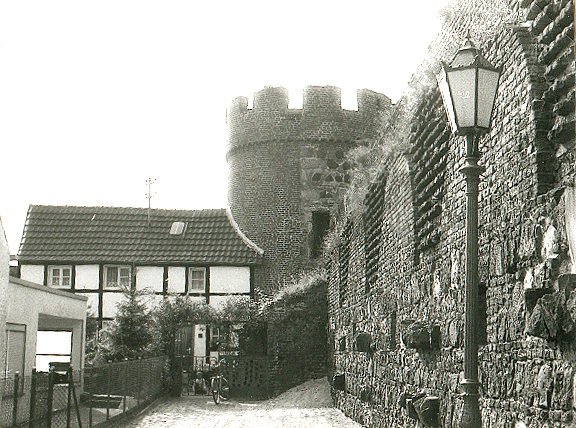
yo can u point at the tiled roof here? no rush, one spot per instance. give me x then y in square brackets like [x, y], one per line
[122, 235]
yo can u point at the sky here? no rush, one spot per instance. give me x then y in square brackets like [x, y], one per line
[98, 96]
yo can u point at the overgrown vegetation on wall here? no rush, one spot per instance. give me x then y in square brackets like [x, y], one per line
[297, 331]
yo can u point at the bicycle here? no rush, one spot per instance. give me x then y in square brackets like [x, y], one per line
[219, 385]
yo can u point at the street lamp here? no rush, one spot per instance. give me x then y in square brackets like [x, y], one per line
[468, 87]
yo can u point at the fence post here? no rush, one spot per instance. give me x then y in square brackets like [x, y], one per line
[32, 399]
[50, 398]
[139, 379]
[15, 399]
[69, 376]
[125, 383]
[76, 406]
[90, 396]
[109, 371]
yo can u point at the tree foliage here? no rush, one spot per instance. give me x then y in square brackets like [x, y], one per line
[130, 335]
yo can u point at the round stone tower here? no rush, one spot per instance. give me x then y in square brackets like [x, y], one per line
[288, 171]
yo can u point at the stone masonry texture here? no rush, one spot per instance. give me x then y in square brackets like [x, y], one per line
[408, 297]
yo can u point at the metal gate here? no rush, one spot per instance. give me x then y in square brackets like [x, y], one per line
[248, 376]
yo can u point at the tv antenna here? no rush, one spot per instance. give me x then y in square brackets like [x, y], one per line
[150, 195]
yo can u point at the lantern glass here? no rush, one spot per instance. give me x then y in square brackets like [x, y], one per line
[447, 98]
[468, 87]
[462, 82]
[487, 87]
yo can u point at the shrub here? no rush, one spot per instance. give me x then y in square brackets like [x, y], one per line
[130, 335]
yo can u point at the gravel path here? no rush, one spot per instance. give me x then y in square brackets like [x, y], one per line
[304, 406]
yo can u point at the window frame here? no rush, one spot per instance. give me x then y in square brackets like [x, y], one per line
[190, 281]
[60, 268]
[178, 228]
[118, 283]
[211, 343]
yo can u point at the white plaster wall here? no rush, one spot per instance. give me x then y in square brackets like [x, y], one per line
[218, 301]
[201, 299]
[92, 303]
[150, 277]
[176, 279]
[32, 273]
[87, 277]
[109, 301]
[230, 279]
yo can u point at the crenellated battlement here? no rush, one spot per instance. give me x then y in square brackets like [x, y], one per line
[286, 164]
[321, 116]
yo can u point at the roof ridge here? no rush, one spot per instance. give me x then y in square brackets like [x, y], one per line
[137, 209]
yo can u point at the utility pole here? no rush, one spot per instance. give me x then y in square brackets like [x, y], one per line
[150, 195]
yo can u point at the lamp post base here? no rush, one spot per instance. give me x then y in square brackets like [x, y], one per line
[471, 417]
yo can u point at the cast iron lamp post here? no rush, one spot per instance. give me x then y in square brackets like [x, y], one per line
[468, 87]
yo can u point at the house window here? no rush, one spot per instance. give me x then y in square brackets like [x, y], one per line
[197, 280]
[59, 276]
[117, 276]
[15, 349]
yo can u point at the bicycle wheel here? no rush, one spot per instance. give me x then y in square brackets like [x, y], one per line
[224, 390]
[215, 387]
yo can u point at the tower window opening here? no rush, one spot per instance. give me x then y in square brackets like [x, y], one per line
[320, 226]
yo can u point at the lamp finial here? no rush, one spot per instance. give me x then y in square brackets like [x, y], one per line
[468, 44]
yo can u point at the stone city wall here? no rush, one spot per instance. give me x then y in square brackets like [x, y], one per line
[402, 333]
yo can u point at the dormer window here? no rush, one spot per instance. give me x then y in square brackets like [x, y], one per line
[178, 228]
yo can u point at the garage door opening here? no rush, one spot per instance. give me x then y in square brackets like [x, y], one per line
[53, 347]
